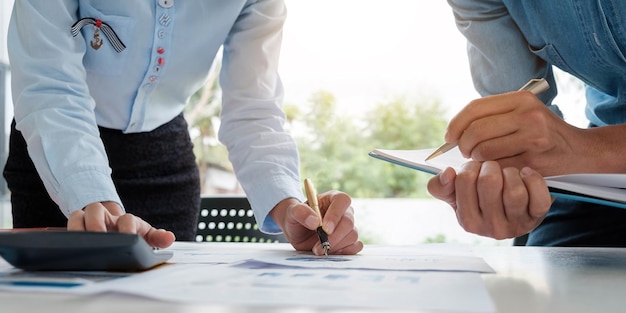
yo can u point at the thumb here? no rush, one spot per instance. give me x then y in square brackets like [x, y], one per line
[442, 186]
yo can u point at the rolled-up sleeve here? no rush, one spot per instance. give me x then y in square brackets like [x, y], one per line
[499, 55]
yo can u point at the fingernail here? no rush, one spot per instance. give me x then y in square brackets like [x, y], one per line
[444, 178]
[526, 171]
[329, 227]
[312, 222]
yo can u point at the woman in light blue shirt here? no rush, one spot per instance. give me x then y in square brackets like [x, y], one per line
[99, 87]
[517, 138]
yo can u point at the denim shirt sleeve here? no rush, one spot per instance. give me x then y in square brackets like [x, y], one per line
[263, 154]
[499, 55]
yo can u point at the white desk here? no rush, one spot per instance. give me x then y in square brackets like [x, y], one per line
[535, 279]
[527, 280]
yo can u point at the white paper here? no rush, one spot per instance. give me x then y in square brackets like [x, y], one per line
[385, 277]
[321, 288]
[371, 259]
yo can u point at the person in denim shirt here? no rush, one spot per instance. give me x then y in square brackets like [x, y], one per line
[515, 138]
[99, 141]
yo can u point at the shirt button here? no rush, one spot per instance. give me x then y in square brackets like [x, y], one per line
[161, 34]
[161, 61]
[152, 79]
[160, 50]
[166, 3]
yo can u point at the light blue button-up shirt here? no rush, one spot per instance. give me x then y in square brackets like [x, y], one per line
[511, 41]
[65, 86]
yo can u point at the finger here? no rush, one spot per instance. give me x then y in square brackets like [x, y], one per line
[484, 107]
[468, 210]
[477, 109]
[489, 188]
[489, 138]
[515, 196]
[76, 221]
[304, 215]
[345, 241]
[351, 249]
[128, 223]
[318, 249]
[160, 238]
[498, 148]
[441, 186]
[489, 127]
[340, 235]
[333, 205]
[539, 196]
[340, 246]
[514, 150]
[345, 233]
[96, 217]
[516, 199]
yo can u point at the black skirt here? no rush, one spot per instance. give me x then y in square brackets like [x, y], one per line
[155, 174]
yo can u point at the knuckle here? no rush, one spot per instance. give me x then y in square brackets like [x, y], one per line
[473, 105]
[481, 153]
[504, 231]
[490, 179]
[514, 196]
[471, 226]
[466, 177]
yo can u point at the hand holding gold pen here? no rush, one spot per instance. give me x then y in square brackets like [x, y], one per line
[311, 195]
[536, 86]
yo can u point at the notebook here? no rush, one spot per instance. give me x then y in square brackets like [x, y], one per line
[605, 189]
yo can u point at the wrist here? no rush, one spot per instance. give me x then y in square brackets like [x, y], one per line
[279, 211]
[603, 150]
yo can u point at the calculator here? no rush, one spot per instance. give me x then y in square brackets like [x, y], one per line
[61, 250]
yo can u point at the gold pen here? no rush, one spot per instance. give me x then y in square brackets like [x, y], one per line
[535, 85]
[311, 196]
